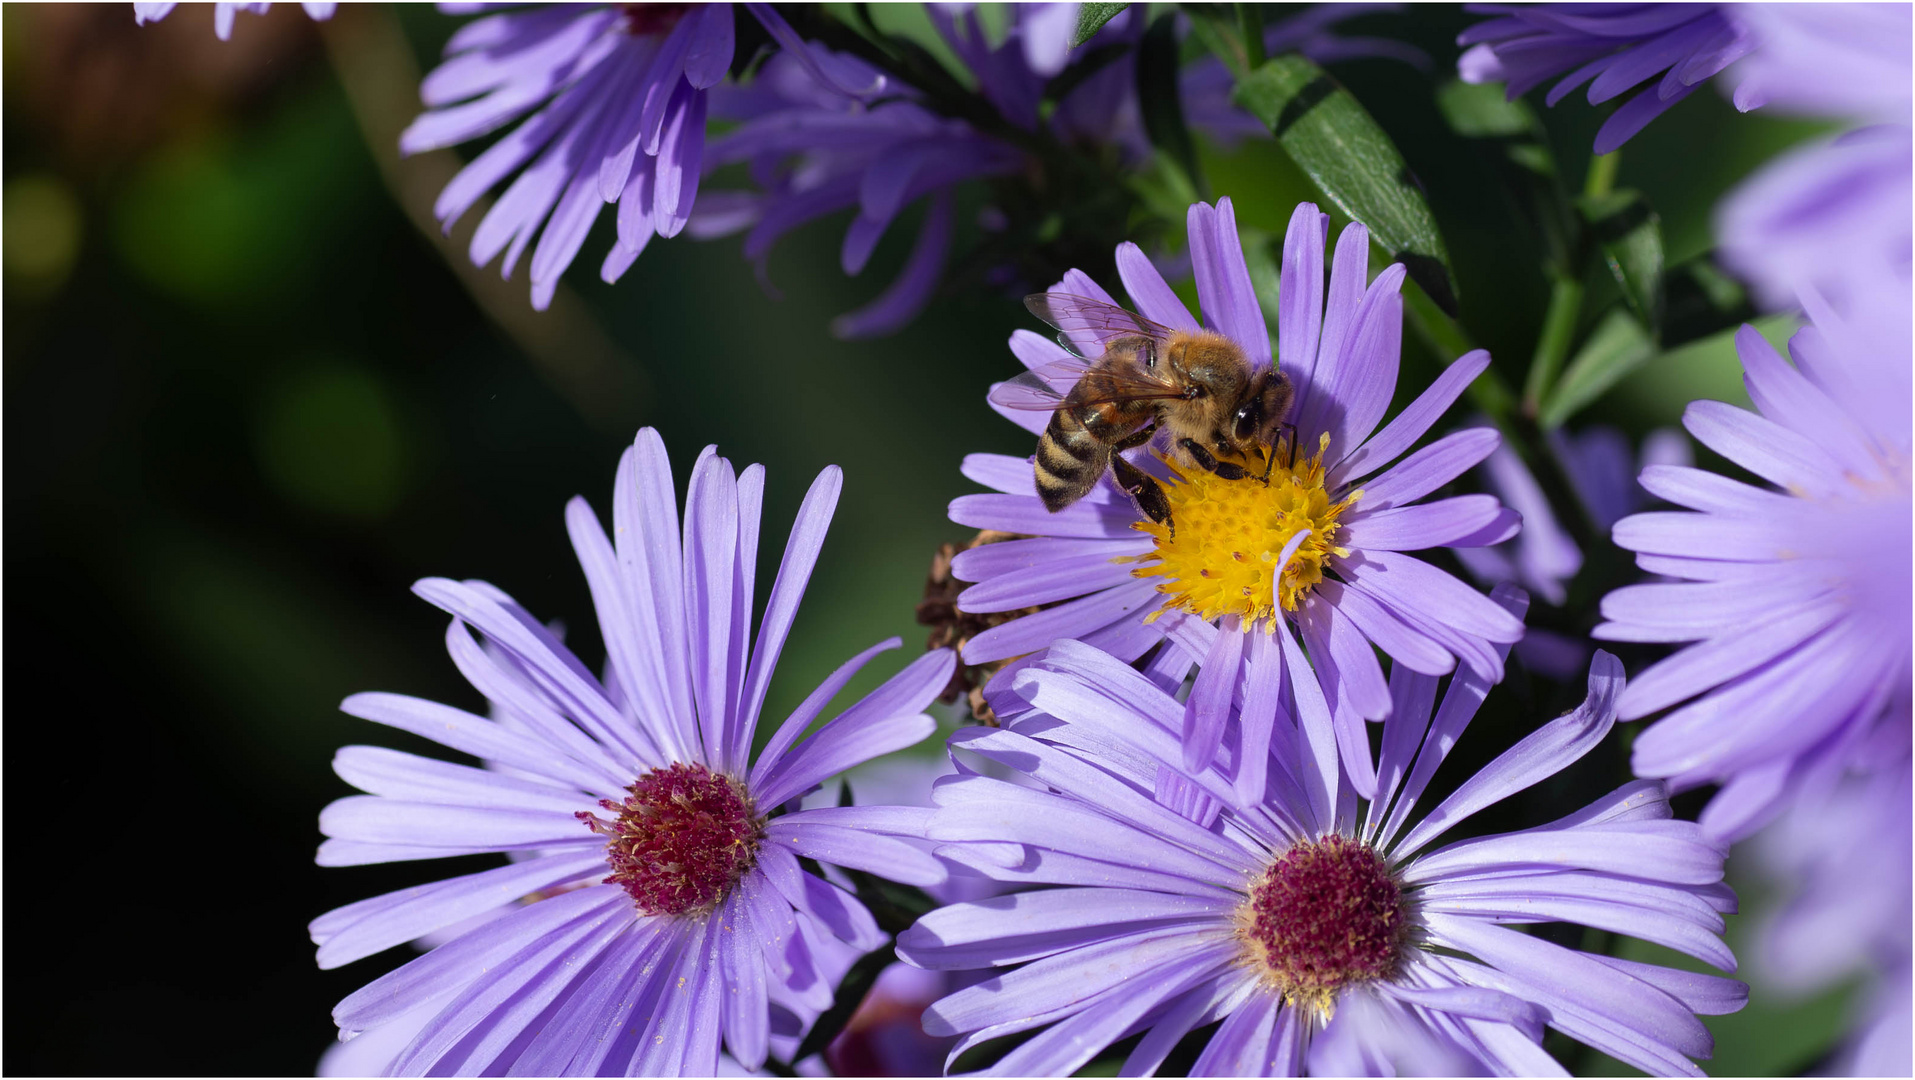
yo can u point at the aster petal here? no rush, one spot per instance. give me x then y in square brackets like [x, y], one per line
[1611, 1010]
[856, 849]
[1075, 618]
[1760, 445]
[1701, 490]
[711, 553]
[1085, 519]
[377, 770]
[1019, 927]
[645, 523]
[1221, 997]
[549, 663]
[989, 561]
[494, 1009]
[741, 967]
[1318, 408]
[681, 146]
[479, 737]
[1709, 995]
[373, 925]
[1228, 299]
[1257, 724]
[1242, 1046]
[1063, 983]
[1721, 659]
[457, 962]
[1389, 633]
[708, 54]
[1409, 583]
[889, 718]
[1316, 735]
[1540, 755]
[1010, 814]
[1060, 577]
[1410, 424]
[1708, 536]
[1683, 935]
[788, 590]
[1430, 468]
[1149, 294]
[809, 709]
[610, 999]
[1426, 525]
[1365, 372]
[1635, 115]
[1208, 707]
[1785, 396]
[1300, 297]
[1673, 847]
[684, 1021]
[505, 683]
[379, 820]
[1066, 1046]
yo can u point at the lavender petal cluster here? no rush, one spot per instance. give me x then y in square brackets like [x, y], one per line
[1614, 48]
[1329, 935]
[658, 886]
[1328, 548]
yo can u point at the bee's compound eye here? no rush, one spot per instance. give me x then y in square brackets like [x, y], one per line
[1246, 421]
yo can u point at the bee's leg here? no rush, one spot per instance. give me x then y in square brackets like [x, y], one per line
[1145, 489]
[1229, 470]
[1134, 439]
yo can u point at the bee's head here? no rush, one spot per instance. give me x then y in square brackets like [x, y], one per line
[1265, 405]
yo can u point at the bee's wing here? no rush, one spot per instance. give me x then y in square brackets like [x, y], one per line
[1041, 390]
[1080, 317]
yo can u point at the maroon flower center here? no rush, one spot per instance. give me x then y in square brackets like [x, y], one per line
[681, 839]
[1326, 914]
[642, 20]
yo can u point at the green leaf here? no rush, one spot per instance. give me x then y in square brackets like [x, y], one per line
[1617, 346]
[1091, 18]
[1158, 98]
[1630, 236]
[1353, 163]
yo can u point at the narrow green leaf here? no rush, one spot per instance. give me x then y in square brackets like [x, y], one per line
[1630, 236]
[1091, 18]
[1356, 166]
[1158, 98]
[1617, 346]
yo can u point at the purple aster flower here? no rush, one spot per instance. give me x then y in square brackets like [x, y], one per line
[1835, 214]
[1328, 936]
[616, 97]
[1796, 596]
[223, 13]
[814, 153]
[1324, 543]
[1613, 47]
[675, 916]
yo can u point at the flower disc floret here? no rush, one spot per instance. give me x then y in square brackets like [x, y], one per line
[1225, 556]
[681, 839]
[1327, 914]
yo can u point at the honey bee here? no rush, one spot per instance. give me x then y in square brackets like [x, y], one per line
[1195, 385]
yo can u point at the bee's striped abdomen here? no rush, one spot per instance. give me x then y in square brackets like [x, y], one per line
[1069, 460]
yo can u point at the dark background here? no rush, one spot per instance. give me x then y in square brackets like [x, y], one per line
[248, 403]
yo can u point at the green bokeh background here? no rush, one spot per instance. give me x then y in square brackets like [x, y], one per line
[248, 404]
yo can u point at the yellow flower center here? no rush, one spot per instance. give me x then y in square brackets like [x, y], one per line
[1230, 535]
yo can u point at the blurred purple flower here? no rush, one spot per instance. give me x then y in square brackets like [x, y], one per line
[1601, 467]
[1835, 214]
[1618, 46]
[145, 11]
[1840, 861]
[702, 933]
[814, 153]
[1327, 936]
[1797, 596]
[616, 97]
[1326, 537]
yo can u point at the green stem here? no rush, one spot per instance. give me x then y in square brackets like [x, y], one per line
[1601, 178]
[1250, 23]
[1559, 328]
